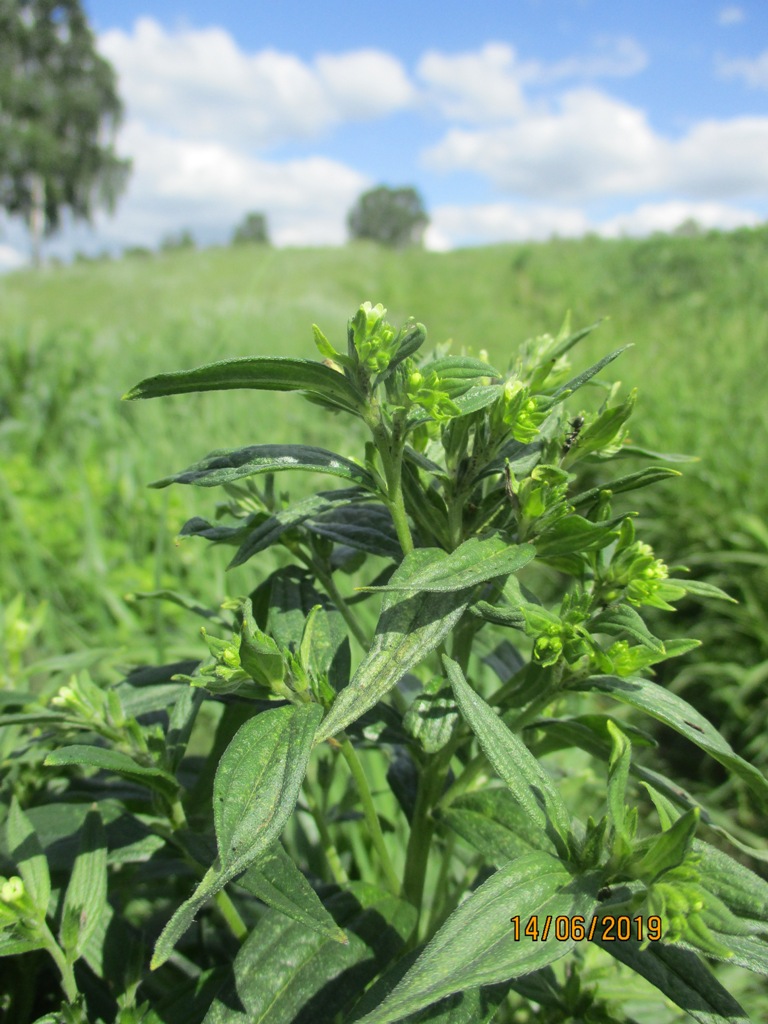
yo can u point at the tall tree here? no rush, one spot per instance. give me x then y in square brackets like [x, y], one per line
[390, 216]
[59, 110]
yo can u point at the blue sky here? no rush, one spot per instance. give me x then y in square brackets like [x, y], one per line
[515, 120]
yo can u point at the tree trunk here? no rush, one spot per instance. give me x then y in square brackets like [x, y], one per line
[37, 216]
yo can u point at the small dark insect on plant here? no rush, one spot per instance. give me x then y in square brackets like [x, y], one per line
[576, 424]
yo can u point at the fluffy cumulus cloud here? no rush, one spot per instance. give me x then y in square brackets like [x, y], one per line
[481, 86]
[489, 85]
[205, 119]
[198, 83]
[591, 145]
[208, 186]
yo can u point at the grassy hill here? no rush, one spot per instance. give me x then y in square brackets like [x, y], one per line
[82, 530]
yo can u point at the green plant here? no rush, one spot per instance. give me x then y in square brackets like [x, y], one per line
[368, 810]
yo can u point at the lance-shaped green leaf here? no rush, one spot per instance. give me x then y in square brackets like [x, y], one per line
[212, 882]
[630, 482]
[479, 945]
[223, 465]
[276, 881]
[432, 716]
[285, 973]
[580, 379]
[366, 527]
[567, 339]
[117, 762]
[86, 897]
[258, 781]
[271, 373]
[669, 849]
[625, 621]
[27, 852]
[457, 374]
[495, 824]
[478, 1006]
[475, 561]
[478, 398]
[409, 628]
[527, 780]
[698, 588]
[269, 530]
[254, 793]
[574, 535]
[679, 715]
[682, 977]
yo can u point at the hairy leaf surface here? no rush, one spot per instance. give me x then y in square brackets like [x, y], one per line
[262, 373]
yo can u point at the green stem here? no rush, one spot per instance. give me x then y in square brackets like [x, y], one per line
[66, 969]
[346, 612]
[176, 814]
[229, 912]
[422, 830]
[439, 911]
[391, 453]
[456, 519]
[465, 781]
[329, 847]
[369, 811]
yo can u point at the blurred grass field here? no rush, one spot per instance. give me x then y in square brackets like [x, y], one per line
[81, 530]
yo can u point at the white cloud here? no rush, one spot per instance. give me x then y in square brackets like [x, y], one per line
[209, 186]
[487, 223]
[364, 84]
[650, 217]
[480, 86]
[593, 146]
[487, 85]
[753, 72]
[199, 84]
[731, 16]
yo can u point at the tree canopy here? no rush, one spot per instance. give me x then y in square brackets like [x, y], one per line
[59, 110]
[252, 229]
[391, 216]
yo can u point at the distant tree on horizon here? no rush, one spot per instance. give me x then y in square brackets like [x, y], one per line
[176, 240]
[394, 217]
[252, 229]
[59, 111]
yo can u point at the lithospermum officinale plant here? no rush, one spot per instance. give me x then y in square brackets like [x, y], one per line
[395, 836]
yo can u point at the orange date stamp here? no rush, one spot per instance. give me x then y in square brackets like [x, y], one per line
[607, 928]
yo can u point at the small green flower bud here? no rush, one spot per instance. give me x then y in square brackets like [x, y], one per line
[12, 891]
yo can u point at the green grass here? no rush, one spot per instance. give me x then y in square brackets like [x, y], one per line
[82, 530]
